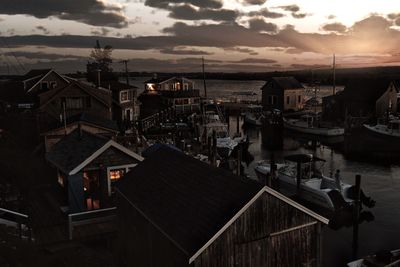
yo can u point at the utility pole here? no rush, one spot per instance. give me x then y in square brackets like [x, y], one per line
[126, 70]
[204, 79]
[334, 74]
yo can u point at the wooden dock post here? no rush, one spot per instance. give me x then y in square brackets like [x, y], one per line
[214, 148]
[272, 170]
[237, 125]
[356, 214]
[239, 159]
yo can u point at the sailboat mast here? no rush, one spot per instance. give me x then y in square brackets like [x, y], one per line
[334, 75]
[204, 79]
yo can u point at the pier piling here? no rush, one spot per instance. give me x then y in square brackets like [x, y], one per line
[356, 214]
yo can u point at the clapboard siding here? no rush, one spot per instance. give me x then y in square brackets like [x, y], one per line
[247, 242]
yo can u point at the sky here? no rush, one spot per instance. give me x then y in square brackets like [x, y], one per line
[173, 36]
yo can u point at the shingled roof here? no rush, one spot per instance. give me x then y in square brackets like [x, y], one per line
[74, 149]
[366, 90]
[287, 83]
[189, 200]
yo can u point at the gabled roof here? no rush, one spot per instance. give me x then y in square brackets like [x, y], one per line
[76, 150]
[34, 77]
[104, 96]
[189, 201]
[154, 148]
[166, 79]
[287, 83]
[185, 198]
[366, 90]
[35, 73]
[89, 119]
[117, 86]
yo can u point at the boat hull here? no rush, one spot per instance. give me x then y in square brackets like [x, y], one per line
[329, 132]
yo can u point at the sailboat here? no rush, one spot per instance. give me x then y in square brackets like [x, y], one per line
[311, 123]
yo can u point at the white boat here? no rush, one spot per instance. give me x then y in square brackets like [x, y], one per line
[212, 123]
[391, 129]
[315, 188]
[254, 115]
[380, 259]
[308, 124]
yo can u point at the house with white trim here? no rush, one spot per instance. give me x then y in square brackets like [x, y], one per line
[88, 166]
[174, 210]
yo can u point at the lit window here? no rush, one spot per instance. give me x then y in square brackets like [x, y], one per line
[116, 174]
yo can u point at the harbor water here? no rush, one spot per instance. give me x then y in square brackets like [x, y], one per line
[380, 225]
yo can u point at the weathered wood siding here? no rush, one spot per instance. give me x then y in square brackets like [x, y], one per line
[141, 244]
[97, 108]
[271, 89]
[255, 238]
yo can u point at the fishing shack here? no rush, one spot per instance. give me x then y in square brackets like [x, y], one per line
[185, 212]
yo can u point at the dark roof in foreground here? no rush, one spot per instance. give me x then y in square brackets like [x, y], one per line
[154, 148]
[287, 83]
[74, 148]
[35, 72]
[189, 200]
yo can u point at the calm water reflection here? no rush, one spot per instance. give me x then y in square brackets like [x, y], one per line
[379, 180]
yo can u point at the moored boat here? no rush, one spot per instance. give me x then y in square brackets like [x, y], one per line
[380, 259]
[309, 124]
[310, 184]
[391, 129]
[254, 115]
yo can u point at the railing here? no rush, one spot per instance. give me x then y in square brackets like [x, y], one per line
[17, 220]
[90, 217]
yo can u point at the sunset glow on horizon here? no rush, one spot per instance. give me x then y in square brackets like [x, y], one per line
[233, 35]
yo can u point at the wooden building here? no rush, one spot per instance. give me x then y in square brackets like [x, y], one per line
[125, 108]
[88, 166]
[64, 102]
[174, 210]
[177, 92]
[23, 92]
[362, 98]
[283, 93]
[86, 121]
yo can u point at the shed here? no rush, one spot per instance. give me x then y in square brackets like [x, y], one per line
[88, 165]
[174, 210]
[283, 93]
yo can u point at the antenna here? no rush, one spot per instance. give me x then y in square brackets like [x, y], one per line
[334, 74]
[126, 70]
[204, 78]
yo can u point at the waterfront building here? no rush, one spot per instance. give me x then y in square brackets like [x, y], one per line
[88, 166]
[125, 106]
[283, 93]
[185, 212]
[177, 92]
[362, 98]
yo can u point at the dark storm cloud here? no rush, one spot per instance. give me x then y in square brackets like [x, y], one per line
[41, 56]
[42, 29]
[265, 12]
[255, 2]
[242, 50]
[334, 27]
[163, 4]
[179, 51]
[195, 9]
[100, 32]
[188, 12]
[93, 12]
[259, 25]
[295, 11]
[256, 61]
[360, 38]
[290, 8]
